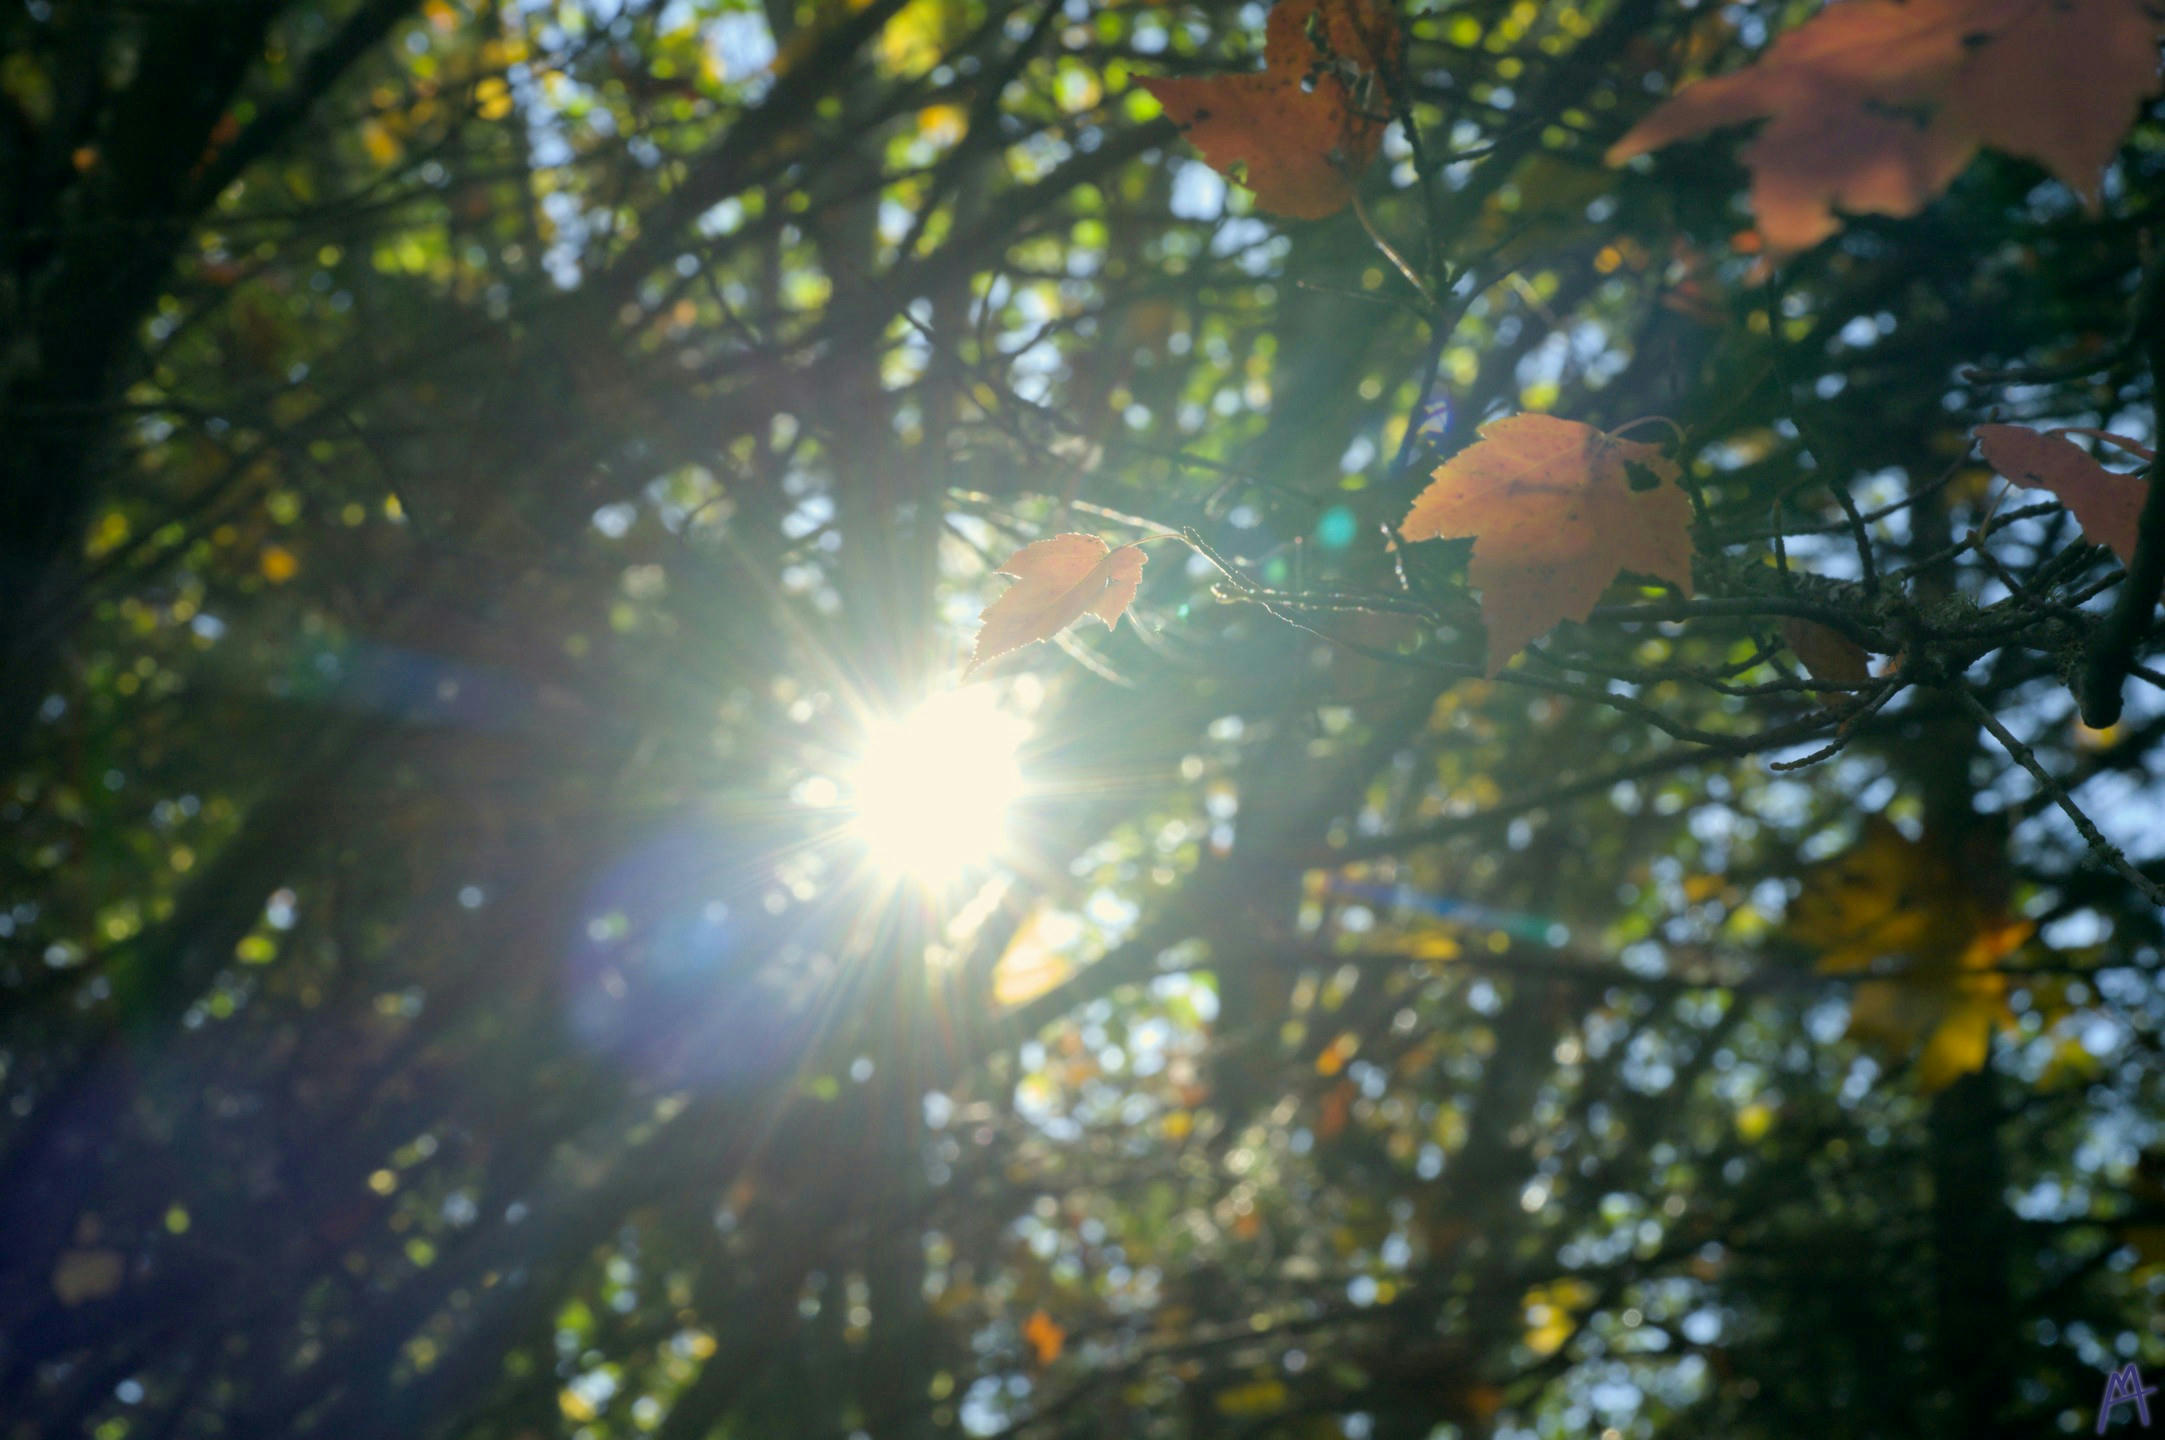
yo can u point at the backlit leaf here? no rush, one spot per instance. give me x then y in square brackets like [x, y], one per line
[1874, 106]
[1557, 517]
[1300, 132]
[1057, 582]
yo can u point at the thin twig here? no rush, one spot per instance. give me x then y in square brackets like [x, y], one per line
[1413, 277]
[2107, 852]
[1815, 444]
[1847, 731]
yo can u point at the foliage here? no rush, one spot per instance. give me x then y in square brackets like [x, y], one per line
[1875, 106]
[477, 474]
[1559, 513]
[1057, 582]
[2107, 504]
[1300, 133]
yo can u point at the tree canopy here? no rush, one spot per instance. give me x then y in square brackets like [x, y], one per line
[1557, 832]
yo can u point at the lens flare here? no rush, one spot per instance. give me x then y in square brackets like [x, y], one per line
[932, 789]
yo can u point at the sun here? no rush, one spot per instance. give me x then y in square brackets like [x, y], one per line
[932, 789]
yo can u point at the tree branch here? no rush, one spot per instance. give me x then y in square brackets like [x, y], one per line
[2112, 648]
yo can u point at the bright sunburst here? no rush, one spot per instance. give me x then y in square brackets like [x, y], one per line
[931, 789]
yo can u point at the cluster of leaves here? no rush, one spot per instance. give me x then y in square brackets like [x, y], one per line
[1676, 964]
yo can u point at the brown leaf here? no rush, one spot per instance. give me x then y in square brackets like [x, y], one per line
[1333, 1111]
[1874, 106]
[1358, 33]
[1057, 582]
[1557, 518]
[1828, 655]
[81, 1276]
[2107, 503]
[1300, 132]
[2135, 447]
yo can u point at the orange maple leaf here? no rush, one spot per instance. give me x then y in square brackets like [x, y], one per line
[1874, 106]
[1045, 1336]
[1299, 132]
[1556, 517]
[1057, 582]
[2107, 504]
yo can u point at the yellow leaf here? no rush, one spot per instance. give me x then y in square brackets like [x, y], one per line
[1037, 958]
[110, 533]
[277, 564]
[1753, 1121]
[1962, 1040]
[2087, 738]
[382, 146]
[492, 98]
[1698, 889]
[1552, 1313]
[1257, 1397]
[2071, 1063]
[919, 36]
[942, 124]
[1434, 945]
[1884, 896]
[1907, 906]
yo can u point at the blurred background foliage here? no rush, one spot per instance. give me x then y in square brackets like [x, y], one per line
[474, 472]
